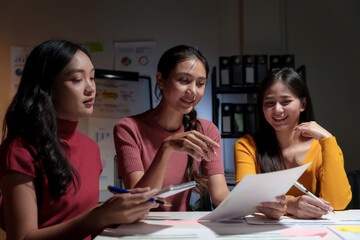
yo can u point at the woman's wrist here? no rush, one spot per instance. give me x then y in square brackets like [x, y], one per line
[291, 205]
[325, 134]
[95, 219]
[165, 148]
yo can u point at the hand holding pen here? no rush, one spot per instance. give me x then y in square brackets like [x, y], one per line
[307, 206]
[120, 190]
[304, 190]
[125, 208]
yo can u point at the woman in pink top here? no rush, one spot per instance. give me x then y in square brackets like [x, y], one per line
[49, 172]
[167, 145]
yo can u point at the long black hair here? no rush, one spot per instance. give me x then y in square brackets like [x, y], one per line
[32, 116]
[267, 147]
[168, 61]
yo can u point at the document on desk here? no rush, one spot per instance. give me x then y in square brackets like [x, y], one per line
[261, 219]
[254, 189]
[346, 232]
[349, 217]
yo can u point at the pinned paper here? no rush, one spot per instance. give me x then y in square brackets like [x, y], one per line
[298, 232]
[96, 47]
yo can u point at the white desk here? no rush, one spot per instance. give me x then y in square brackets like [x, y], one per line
[183, 225]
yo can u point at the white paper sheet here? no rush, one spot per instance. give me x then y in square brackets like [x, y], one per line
[101, 131]
[18, 56]
[260, 219]
[349, 217]
[352, 215]
[253, 190]
[138, 56]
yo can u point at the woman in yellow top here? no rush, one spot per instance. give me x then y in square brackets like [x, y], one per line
[287, 136]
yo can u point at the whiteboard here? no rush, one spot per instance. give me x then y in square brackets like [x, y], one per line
[118, 99]
[121, 94]
[118, 95]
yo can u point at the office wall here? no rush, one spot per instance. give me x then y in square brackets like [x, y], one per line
[168, 23]
[323, 35]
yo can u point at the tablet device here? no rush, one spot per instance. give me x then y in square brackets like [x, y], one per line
[174, 189]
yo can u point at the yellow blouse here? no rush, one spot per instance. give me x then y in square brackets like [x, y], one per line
[325, 177]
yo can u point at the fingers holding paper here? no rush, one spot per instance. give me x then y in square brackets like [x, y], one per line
[307, 207]
[274, 210]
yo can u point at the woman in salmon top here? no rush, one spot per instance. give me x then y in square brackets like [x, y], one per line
[167, 145]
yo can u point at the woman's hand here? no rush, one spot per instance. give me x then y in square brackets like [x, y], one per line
[311, 130]
[274, 210]
[193, 143]
[305, 206]
[126, 208]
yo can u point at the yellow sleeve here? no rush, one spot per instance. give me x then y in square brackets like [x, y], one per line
[334, 185]
[245, 158]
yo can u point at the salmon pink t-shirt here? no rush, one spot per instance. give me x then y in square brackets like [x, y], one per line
[137, 140]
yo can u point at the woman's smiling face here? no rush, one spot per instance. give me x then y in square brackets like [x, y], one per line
[281, 107]
[185, 86]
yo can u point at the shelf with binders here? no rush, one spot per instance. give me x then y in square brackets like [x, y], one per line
[233, 108]
[236, 89]
[237, 119]
[235, 135]
[236, 98]
[234, 94]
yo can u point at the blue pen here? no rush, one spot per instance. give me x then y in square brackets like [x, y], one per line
[120, 190]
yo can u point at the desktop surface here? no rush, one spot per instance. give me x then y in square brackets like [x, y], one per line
[185, 225]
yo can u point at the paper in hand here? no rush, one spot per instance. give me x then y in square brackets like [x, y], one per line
[254, 189]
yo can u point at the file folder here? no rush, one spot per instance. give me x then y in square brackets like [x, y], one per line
[250, 120]
[226, 118]
[236, 70]
[261, 68]
[249, 62]
[288, 61]
[224, 66]
[238, 118]
[276, 62]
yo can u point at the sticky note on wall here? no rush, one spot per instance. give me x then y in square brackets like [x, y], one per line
[96, 47]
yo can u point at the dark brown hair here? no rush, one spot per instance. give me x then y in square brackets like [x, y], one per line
[267, 147]
[32, 116]
[168, 61]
